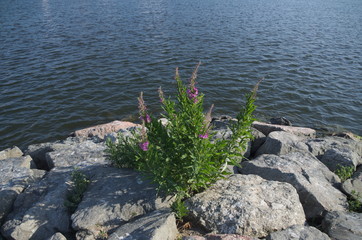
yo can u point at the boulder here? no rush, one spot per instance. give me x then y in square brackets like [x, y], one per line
[114, 196]
[312, 179]
[343, 225]
[257, 142]
[267, 128]
[70, 152]
[7, 198]
[15, 175]
[354, 183]
[79, 155]
[298, 232]
[102, 130]
[39, 211]
[212, 236]
[57, 236]
[157, 225]
[13, 152]
[280, 143]
[280, 121]
[247, 205]
[319, 146]
[336, 158]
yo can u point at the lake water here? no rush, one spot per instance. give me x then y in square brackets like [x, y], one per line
[69, 64]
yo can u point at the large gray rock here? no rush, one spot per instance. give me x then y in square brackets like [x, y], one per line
[114, 196]
[343, 225]
[280, 143]
[15, 175]
[308, 175]
[340, 157]
[319, 146]
[298, 232]
[57, 236]
[158, 225]
[39, 211]
[247, 205]
[71, 152]
[13, 152]
[257, 142]
[354, 184]
[267, 128]
[82, 154]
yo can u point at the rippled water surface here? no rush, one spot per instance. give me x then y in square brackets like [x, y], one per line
[66, 65]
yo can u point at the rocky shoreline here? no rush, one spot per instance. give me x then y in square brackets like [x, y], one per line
[287, 190]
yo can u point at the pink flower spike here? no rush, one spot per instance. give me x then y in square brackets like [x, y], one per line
[147, 118]
[204, 136]
[144, 146]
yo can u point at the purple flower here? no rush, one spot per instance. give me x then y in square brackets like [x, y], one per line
[193, 93]
[204, 136]
[144, 145]
[146, 118]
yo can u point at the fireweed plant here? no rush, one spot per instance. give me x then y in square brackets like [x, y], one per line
[180, 155]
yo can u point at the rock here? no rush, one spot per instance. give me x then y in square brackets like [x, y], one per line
[57, 236]
[114, 196]
[257, 142]
[307, 174]
[319, 146]
[219, 237]
[102, 130]
[13, 152]
[343, 225]
[247, 205]
[78, 155]
[267, 128]
[7, 198]
[342, 157]
[354, 183]
[39, 211]
[280, 121]
[347, 135]
[71, 152]
[158, 225]
[298, 232]
[38, 151]
[15, 175]
[280, 143]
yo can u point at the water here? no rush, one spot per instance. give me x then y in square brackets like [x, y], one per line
[65, 65]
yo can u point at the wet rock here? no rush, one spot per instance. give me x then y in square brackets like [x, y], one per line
[267, 128]
[343, 225]
[280, 142]
[39, 211]
[13, 152]
[247, 205]
[280, 121]
[298, 232]
[219, 237]
[102, 130]
[114, 196]
[354, 184]
[312, 179]
[158, 225]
